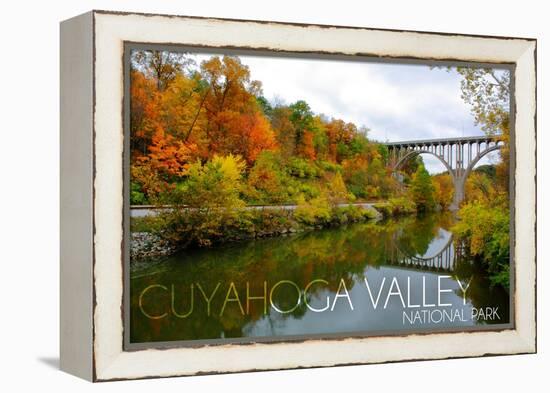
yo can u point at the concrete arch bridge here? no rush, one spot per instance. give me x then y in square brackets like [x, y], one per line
[459, 155]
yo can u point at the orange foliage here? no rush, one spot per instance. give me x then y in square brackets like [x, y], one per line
[144, 111]
[338, 131]
[306, 149]
[256, 136]
[444, 189]
[196, 117]
[168, 155]
[149, 180]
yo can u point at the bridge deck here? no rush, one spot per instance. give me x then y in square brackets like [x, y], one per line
[463, 139]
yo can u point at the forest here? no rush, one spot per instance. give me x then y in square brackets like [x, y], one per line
[188, 122]
[205, 140]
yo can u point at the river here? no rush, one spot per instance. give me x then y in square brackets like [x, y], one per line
[385, 277]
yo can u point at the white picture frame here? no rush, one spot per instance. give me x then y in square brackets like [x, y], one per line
[92, 222]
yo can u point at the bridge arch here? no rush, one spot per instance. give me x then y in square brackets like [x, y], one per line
[474, 162]
[443, 259]
[414, 153]
[460, 182]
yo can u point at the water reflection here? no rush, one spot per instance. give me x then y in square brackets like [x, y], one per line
[385, 276]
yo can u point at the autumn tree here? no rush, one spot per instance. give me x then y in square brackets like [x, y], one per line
[183, 116]
[301, 117]
[255, 136]
[336, 189]
[356, 176]
[169, 156]
[162, 66]
[182, 112]
[212, 190]
[487, 91]
[422, 189]
[376, 176]
[484, 217]
[215, 184]
[480, 187]
[268, 181]
[443, 190]
[144, 104]
[340, 137]
[285, 131]
[236, 123]
[165, 124]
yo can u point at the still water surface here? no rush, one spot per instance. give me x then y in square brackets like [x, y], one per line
[373, 278]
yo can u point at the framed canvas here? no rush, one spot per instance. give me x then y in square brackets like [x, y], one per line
[247, 195]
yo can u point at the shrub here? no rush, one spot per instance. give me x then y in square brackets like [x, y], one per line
[402, 205]
[485, 229]
[215, 184]
[143, 224]
[396, 206]
[136, 196]
[313, 212]
[348, 214]
[184, 227]
[328, 166]
[147, 181]
[272, 222]
[308, 191]
[302, 168]
[206, 205]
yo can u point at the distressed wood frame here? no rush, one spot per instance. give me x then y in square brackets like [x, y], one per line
[92, 140]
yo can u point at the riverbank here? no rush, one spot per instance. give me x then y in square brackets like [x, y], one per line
[170, 230]
[152, 210]
[377, 251]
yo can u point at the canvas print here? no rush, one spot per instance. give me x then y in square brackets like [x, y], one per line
[274, 197]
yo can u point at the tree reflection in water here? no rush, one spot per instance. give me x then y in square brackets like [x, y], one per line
[347, 253]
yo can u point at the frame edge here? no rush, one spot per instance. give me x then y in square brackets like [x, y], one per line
[525, 339]
[76, 196]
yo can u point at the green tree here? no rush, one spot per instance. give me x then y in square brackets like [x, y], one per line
[422, 189]
[265, 105]
[301, 117]
[304, 125]
[410, 166]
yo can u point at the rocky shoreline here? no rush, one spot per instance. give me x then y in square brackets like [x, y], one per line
[147, 245]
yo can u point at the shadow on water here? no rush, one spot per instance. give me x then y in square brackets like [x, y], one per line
[312, 283]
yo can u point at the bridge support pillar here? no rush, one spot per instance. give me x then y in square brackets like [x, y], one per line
[459, 184]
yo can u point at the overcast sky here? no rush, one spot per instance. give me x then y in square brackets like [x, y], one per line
[397, 102]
